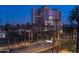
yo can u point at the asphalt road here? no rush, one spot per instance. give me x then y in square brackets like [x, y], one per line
[34, 48]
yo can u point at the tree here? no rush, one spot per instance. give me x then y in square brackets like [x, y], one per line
[29, 27]
[7, 28]
[74, 16]
[18, 26]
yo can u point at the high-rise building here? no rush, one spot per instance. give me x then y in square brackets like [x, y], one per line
[44, 19]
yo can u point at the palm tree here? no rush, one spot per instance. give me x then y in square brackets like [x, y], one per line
[17, 36]
[29, 27]
[8, 29]
[74, 16]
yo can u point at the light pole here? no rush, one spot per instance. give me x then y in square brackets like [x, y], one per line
[30, 36]
[57, 34]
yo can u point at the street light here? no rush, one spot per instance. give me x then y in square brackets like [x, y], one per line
[30, 36]
[61, 31]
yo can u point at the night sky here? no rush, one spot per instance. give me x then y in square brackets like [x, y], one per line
[21, 14]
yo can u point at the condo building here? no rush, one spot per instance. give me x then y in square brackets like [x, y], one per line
[45, 19]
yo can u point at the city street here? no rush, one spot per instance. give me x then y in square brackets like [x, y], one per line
[35, 48]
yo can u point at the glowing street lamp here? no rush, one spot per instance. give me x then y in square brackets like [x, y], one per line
[61, 31]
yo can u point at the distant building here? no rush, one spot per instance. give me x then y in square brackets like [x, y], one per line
[44, 19]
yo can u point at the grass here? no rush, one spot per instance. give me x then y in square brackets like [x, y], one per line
[67, 45]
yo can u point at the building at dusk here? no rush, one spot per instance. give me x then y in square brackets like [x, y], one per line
[44, 19]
